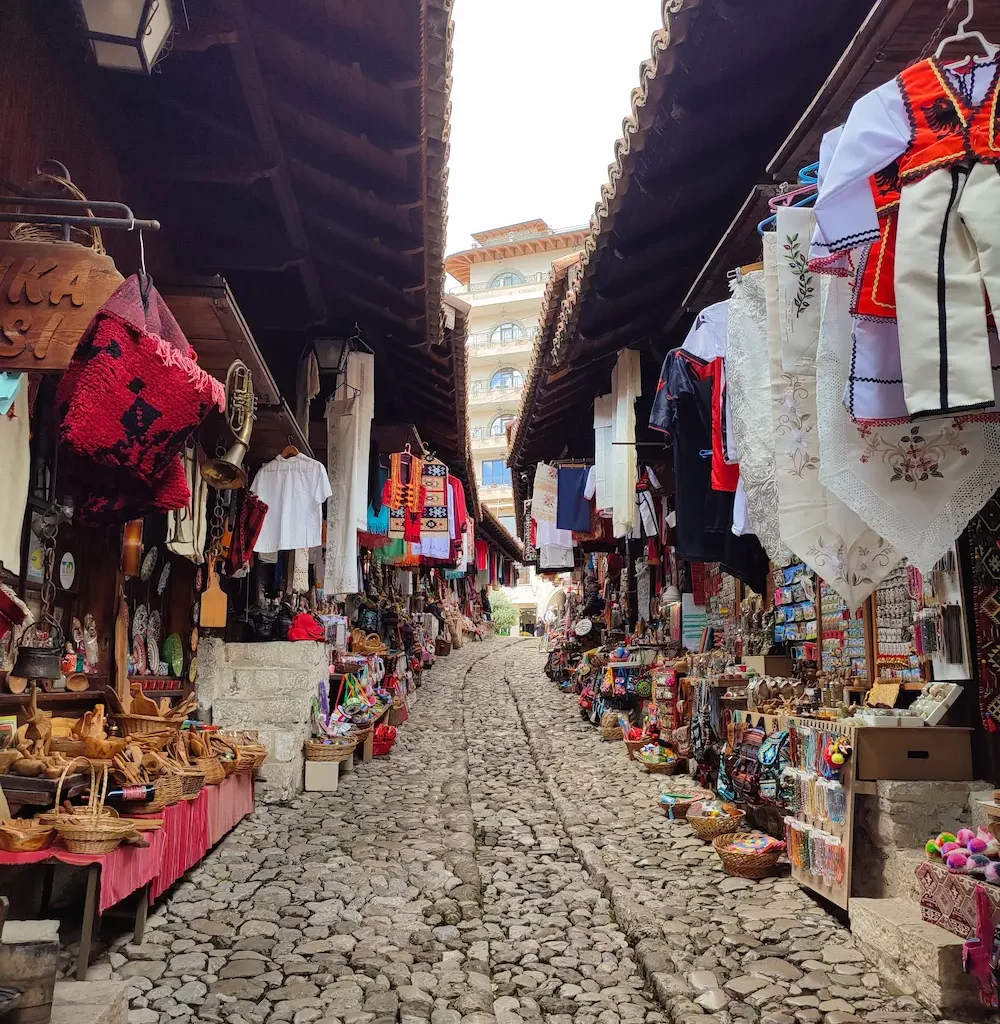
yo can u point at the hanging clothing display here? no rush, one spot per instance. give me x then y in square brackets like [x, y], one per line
[626, 387]
[937, 125]
[919, 483]
[294, 490]
[985, 555]
[341, 576]
[359, 374]
[573, 508]
[249, 522]
[798, 294]
[545, 493]
[15, 472]
[187, 527]
[306, 387]
[822, 531]
[435, 532]
[750, 390]
[603, 425]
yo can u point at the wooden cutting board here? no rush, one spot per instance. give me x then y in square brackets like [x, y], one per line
[214, 602]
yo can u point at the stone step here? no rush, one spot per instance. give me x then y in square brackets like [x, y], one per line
[279, 654]
[913, 957]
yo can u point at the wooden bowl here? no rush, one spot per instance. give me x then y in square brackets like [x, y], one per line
[77, 682]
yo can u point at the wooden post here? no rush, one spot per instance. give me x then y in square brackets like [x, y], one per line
[89, 915]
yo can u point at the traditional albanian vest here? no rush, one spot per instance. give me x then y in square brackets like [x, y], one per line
[945, 129]
[875, 290]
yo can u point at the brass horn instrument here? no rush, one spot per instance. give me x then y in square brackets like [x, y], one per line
[227, 473]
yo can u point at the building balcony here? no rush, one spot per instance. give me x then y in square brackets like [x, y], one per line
[480, 393]
[496, 494]
[483, 439]
[479, 292]
[484, 343]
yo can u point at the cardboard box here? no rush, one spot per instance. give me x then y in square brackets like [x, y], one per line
[322, 776]
[913, 755]
[769, 664]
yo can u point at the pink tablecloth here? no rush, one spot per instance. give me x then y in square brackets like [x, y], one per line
[190, 829]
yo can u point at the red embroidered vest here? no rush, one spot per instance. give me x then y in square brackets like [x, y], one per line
[875, 290]
[944, 128]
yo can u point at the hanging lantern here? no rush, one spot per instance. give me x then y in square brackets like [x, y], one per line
[127, 35]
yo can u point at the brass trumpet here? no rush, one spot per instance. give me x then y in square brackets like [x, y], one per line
[227, 473]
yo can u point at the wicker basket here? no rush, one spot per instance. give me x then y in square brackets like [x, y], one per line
[139, 725]
[211, 768]
[675, 767]
[192, 781]
[743, 864]
[611, 727]
[338, 748]
[633, 747]
[708, 828]
[681, 803]
[250, 757]
[94, 830]
[25, 836]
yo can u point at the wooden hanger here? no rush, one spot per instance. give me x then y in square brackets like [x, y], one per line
[289, 451]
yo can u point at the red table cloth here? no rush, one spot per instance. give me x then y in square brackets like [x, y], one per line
[190, 829]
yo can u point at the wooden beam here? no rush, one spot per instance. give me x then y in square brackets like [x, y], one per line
[172, 165]
[392, 248]
[370, 58]
[255, 92]
[203, 34]
[882, 21]
[375, 286]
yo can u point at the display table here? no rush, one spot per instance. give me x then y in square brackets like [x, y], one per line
[190, 829]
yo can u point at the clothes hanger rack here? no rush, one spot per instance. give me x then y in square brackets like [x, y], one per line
[962, 33]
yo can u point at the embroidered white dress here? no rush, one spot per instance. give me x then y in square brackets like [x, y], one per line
[822, 531]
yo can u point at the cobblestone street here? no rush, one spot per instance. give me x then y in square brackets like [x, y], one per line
[502, 863]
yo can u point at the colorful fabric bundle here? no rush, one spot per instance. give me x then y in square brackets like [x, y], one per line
[129, 401]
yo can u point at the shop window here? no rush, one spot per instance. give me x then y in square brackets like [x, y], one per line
[498, 428]
[507, 378]
[496, 473]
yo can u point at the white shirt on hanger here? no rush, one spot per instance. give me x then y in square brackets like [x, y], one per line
[294, 490]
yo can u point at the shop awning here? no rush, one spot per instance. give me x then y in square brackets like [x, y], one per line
[299, 149]
[722, 88]
[212, 322]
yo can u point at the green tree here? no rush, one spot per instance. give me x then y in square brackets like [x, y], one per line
[505, 614]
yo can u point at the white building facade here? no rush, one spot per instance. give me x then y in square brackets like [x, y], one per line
[503, 278]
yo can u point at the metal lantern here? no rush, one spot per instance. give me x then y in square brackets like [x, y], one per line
[127, 35]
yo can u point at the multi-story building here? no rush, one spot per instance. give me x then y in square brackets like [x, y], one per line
[503, 277]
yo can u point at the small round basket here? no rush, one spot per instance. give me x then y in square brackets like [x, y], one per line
[337, 748]
[211, 768]
[634, 746]
[744, 863]
[675, 767]
[708, 828]
[94, 829]
[676, 805]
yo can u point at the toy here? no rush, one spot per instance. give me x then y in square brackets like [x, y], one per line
[838, 753]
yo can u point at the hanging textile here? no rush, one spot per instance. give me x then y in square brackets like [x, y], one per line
[360, 374]
[983, 533]
[341, 531]
[306, 387]
[545, 493]
[405, 497]
[187, 527]
[750, 390]
[626, 387]
[435, 533]
[603, 422]
[918, 484]
[798, 292]
[573, 508]
[814, 524]
[15, 470]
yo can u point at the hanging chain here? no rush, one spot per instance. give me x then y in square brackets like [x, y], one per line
[939, 31]
[218, 522]
[48, 528]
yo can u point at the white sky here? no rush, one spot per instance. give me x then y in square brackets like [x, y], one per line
[539, 93]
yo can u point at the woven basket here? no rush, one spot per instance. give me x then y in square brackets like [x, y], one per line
[25, 836]
[192, 781]
[662, 767]
[633, 747]
[94, 830]
[211, 768]
[250, 757]
[682, 803]
[55, 186]
[743, 864]
[708, 828]
[138, 725]
[338, 748]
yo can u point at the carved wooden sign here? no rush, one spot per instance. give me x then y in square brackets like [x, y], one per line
[49, 292]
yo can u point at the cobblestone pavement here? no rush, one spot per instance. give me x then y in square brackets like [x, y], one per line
[503, 865]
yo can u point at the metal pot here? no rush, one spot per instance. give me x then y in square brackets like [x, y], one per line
[40, 662]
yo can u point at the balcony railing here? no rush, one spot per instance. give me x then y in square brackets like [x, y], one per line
[483, 438]
[495, 491]
[486, 286]
[480, 391]
[488, 341]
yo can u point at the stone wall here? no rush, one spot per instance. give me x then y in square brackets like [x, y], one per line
[268, 687]
[891, 828]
